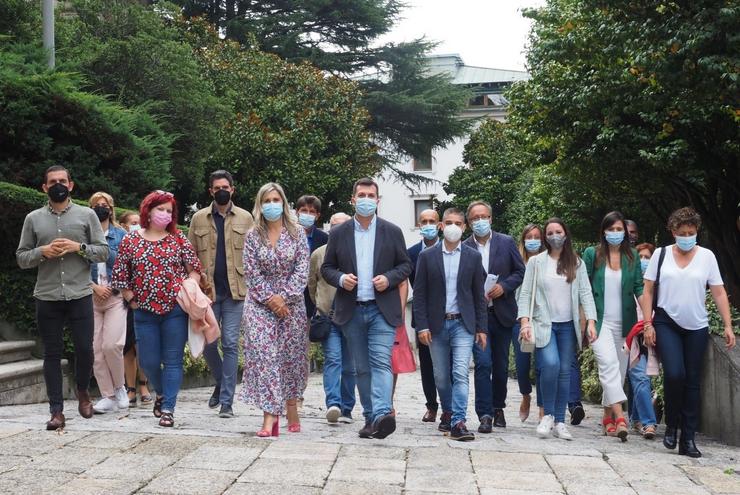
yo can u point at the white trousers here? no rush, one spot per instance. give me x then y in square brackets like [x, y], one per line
[609, 359]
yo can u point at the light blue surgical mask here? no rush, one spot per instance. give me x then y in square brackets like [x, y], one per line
[686, 243]
[134, 228]
[272, 211]
[306, 219]
[429, 232]
[482, 227]
[365, 207]
[532, 245]
[614, 238]
[644, 264]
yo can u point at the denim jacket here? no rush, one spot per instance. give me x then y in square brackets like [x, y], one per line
[113, 237]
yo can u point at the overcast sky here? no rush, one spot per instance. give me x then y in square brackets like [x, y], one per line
[486, 33]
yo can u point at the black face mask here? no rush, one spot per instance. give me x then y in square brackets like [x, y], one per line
[58, 193]
[102, 212]
[222, 197]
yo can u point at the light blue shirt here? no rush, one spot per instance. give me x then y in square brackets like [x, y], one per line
[451, 261]
[365, 252]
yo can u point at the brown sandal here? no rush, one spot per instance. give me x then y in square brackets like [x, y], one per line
[622, 430]
[167, 420]
[157, 411]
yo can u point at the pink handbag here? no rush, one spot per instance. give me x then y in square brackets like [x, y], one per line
[402, 358]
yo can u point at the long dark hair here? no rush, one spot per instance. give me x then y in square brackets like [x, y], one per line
[569, 261]
[529, 228]
[602, 251]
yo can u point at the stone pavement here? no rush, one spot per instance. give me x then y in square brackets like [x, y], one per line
[203, 454]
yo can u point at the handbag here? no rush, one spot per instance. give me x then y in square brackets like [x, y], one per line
[319, 327]
[528, 345]
[402, 358]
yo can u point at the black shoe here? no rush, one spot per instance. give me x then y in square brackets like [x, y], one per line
[460, 433]
[669, 437]
[384, 426]
[226, 412]
[576, 413]
[367, 430]
[445, 422]
[214, 401]
[688, 447]
[499, 421]
[485, 424]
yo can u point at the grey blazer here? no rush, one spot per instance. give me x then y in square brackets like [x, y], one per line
[430, 294]
[390, 259]
[580, 294]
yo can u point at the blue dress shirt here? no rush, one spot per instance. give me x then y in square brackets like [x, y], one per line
[451, 261]
[365, 251]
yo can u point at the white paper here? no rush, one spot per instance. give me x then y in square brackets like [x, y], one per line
[491, 280]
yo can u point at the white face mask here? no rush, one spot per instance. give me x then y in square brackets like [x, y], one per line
[452, 233]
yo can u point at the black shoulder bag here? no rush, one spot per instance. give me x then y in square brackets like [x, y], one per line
[656, 284]
[320, 325]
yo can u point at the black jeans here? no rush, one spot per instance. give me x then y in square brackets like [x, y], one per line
[682, 354]
[427, 376]
[50, 319]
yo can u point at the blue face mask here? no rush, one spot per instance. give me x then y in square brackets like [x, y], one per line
[272, 211]
[644, 264]
[429, 232]
[482, 227]
[686, 243]
[306, 219]
[365, 207]
[614, 238]
[532, 245]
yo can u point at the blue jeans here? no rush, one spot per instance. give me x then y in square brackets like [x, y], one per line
[492, 368]
[370, 340]
[555, 361]
[339, 372]
[642, 394]
[453, 340]
[682, 354]
[523, 361]
[228, 313]
[575, 381]
[160, 343]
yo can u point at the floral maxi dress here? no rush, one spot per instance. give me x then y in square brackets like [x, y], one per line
[275, 349]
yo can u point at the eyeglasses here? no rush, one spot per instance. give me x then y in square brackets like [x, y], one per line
[165, 193]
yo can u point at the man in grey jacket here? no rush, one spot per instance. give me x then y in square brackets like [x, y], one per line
[62, 239]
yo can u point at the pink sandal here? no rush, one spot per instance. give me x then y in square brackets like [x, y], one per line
[294, 428]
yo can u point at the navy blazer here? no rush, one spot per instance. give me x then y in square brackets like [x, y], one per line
[430, 291]
[390, 259]
[320, 238]
[505, 261]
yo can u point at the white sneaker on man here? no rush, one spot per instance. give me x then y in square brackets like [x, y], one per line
[346, 419]
[122, 398]
[545, 426]
[105, 405]
[561, 431]
[333, 414]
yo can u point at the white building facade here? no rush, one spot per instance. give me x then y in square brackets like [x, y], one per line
[401, 205]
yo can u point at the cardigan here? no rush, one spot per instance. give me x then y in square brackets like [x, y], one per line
[631, 287]
[580, 293]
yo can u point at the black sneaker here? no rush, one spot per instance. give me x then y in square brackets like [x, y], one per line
[499, 421]
[444, 422]
[460, 433]
[576, 413]
[367, 430]
[214, 401]
[486, 425]
[226, 412]
[384, 426]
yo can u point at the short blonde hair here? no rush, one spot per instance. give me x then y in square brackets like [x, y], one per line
[108, 199]
[260, 224]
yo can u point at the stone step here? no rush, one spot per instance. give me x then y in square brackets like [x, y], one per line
[16, 350]
[22, 382]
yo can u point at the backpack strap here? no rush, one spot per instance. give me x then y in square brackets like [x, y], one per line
[656, 284]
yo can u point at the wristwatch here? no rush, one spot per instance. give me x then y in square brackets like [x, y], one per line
[83, 249]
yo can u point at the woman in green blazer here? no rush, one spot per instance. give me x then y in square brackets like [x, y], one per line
[616, 281]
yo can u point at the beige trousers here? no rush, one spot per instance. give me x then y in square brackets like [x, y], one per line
[108, 341]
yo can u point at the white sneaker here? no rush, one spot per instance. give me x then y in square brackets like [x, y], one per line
[332, 414]
[122, 398]
[545, 426]
[346, 419]
[105, 405]
[561, 431]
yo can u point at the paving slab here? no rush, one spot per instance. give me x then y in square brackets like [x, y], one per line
[219, 458]
[69, 458]
[301, 472]
[260, 488]
[26, 481]
[440, 481]
[130, 466]
[98, 486]
[175, 481]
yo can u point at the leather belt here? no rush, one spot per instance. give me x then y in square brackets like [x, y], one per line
[366, 303]
[452, 316]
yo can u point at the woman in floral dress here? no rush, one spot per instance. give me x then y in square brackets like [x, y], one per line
[274, 324]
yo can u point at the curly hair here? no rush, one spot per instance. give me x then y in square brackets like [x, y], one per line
[684, 216]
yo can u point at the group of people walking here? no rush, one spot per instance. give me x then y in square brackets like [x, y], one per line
[264, 275]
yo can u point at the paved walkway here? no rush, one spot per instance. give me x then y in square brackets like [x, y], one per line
[129, 453]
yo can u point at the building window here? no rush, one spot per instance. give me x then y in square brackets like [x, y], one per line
[421, 205]
[423, 163]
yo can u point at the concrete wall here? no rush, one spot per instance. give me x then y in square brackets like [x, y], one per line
[720, 393]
